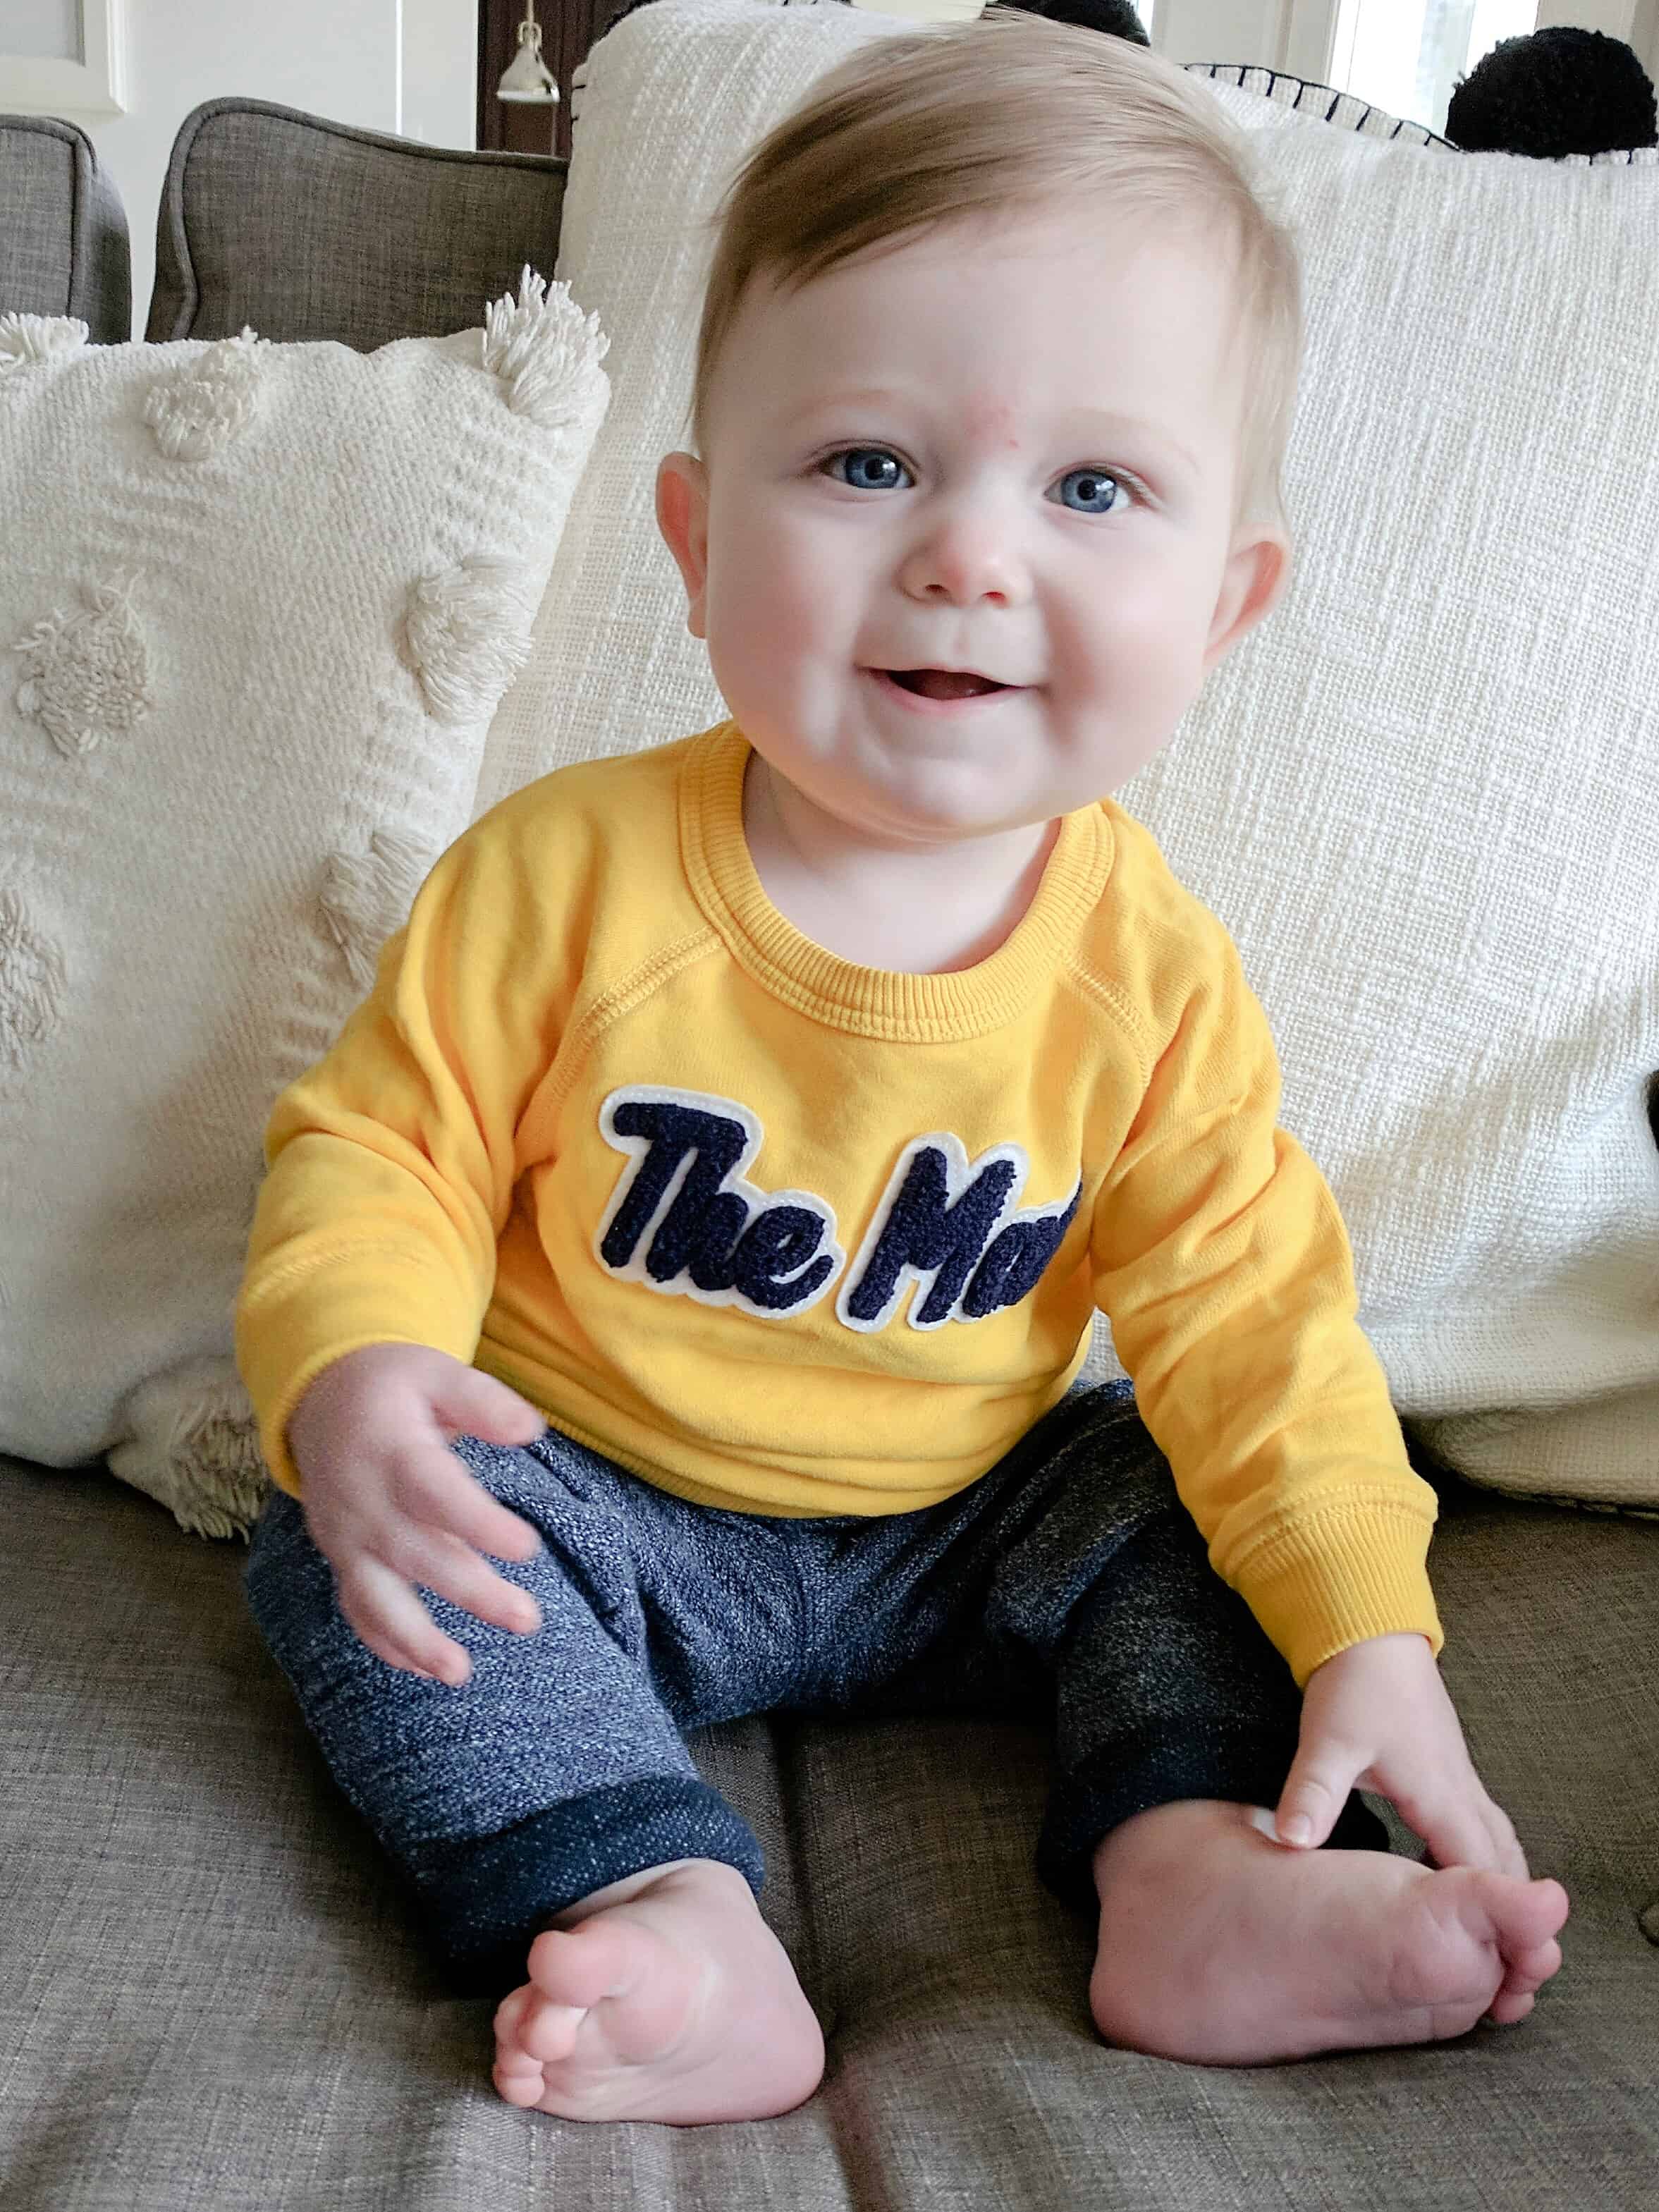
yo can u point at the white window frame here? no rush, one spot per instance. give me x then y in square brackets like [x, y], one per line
[1299, 36]
[36, 84]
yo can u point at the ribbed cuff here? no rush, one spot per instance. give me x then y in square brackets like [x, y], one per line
[484, 1898]
[1211, 1759]
[289, 1328]
[273, 1427]
[1339, 1577]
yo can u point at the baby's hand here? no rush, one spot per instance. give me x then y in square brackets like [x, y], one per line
[389, 1504]
[1378, 1717]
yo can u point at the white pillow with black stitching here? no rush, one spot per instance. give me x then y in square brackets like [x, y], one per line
[1423, 797]
[257, 603]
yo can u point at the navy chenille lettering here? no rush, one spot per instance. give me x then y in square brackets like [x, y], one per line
[938, 1219]
[714, 1146]
[777, 1242]
[737, 1245]
[683, 1220]
[925, 1231]
[1013, 1265]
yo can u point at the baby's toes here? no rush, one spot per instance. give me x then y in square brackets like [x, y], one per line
[547, 2031]
[509, 2015]
[1504, 2011]
[519, 2082]
[1526, 1920]
[516, 2073]
[533, 2031]
[1525, 1973]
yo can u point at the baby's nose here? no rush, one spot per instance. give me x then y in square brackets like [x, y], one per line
[962, 560]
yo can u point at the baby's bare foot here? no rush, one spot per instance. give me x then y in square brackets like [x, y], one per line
[1221, 1947]
[665, 1997]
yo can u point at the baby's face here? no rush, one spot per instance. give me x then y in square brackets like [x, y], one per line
[962, 550]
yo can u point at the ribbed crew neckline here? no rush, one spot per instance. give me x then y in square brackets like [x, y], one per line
[875, 1002]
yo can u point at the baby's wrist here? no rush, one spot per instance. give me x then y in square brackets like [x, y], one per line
[1398, 1642]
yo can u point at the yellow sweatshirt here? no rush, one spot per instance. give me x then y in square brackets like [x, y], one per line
[791, 1236]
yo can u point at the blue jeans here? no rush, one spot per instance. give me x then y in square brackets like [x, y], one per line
[1068, 1584]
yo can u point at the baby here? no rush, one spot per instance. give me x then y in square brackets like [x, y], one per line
[704, 1215]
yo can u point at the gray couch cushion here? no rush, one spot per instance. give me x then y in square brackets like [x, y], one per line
[308, 229]
[212, 2001]
[63, 247]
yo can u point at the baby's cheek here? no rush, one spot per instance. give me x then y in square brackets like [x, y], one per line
[1124, 682]
[771, 605]
[1140, 642]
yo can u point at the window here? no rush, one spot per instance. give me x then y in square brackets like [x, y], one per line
[1407, 56]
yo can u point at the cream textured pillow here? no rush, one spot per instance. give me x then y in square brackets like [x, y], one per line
[1423, 797]
[257, 603]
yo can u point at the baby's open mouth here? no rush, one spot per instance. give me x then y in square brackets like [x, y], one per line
[944, 682]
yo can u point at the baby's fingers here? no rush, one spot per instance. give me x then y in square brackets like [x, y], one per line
[383, 1613]
[453, 1570]
[1315, 1790]
[1461, 1827]
[434, 1488]
[1511, 1858]
[1498, 1845]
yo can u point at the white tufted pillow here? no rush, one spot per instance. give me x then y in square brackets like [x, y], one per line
[257, 603]
[1424, 796]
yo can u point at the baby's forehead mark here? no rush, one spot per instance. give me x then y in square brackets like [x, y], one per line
[990, 420]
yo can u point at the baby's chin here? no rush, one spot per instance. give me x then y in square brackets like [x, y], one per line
[953, 805]
[981, 793]
[932, 792]
[916, 812]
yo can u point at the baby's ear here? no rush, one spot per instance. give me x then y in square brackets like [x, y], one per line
[1255, 579]
[683, 518]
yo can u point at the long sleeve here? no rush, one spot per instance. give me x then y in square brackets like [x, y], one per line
[1222, 1262]
[608, 1128]
[392, 1162]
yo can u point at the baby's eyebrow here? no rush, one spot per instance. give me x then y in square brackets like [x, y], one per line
[857, 396]
[1131, 425]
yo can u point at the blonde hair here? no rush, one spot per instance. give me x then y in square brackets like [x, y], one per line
[1010, 112]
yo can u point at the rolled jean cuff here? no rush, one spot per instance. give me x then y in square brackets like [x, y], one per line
[484, 1898]
[1160, 1771]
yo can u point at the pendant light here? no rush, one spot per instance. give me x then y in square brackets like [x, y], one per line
[527, 78]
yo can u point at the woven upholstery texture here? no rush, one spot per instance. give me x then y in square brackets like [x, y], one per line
[62, 229]
[212, 1999]
[311, 229]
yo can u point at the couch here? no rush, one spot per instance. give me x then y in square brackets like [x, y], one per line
[63, 249]
[212, 1998]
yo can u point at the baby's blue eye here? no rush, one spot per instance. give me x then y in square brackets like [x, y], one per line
[869, 468]
[1098, 492]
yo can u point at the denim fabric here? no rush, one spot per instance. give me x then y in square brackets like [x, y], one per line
[1068, 1584]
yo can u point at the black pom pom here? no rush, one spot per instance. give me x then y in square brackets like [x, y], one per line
[1555, 92]
[1115, 17]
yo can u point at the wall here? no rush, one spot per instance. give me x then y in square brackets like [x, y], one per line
[405, 66]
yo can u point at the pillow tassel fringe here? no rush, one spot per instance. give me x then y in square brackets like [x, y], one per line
[192, 1443]
[547, 354]
[466, 634]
